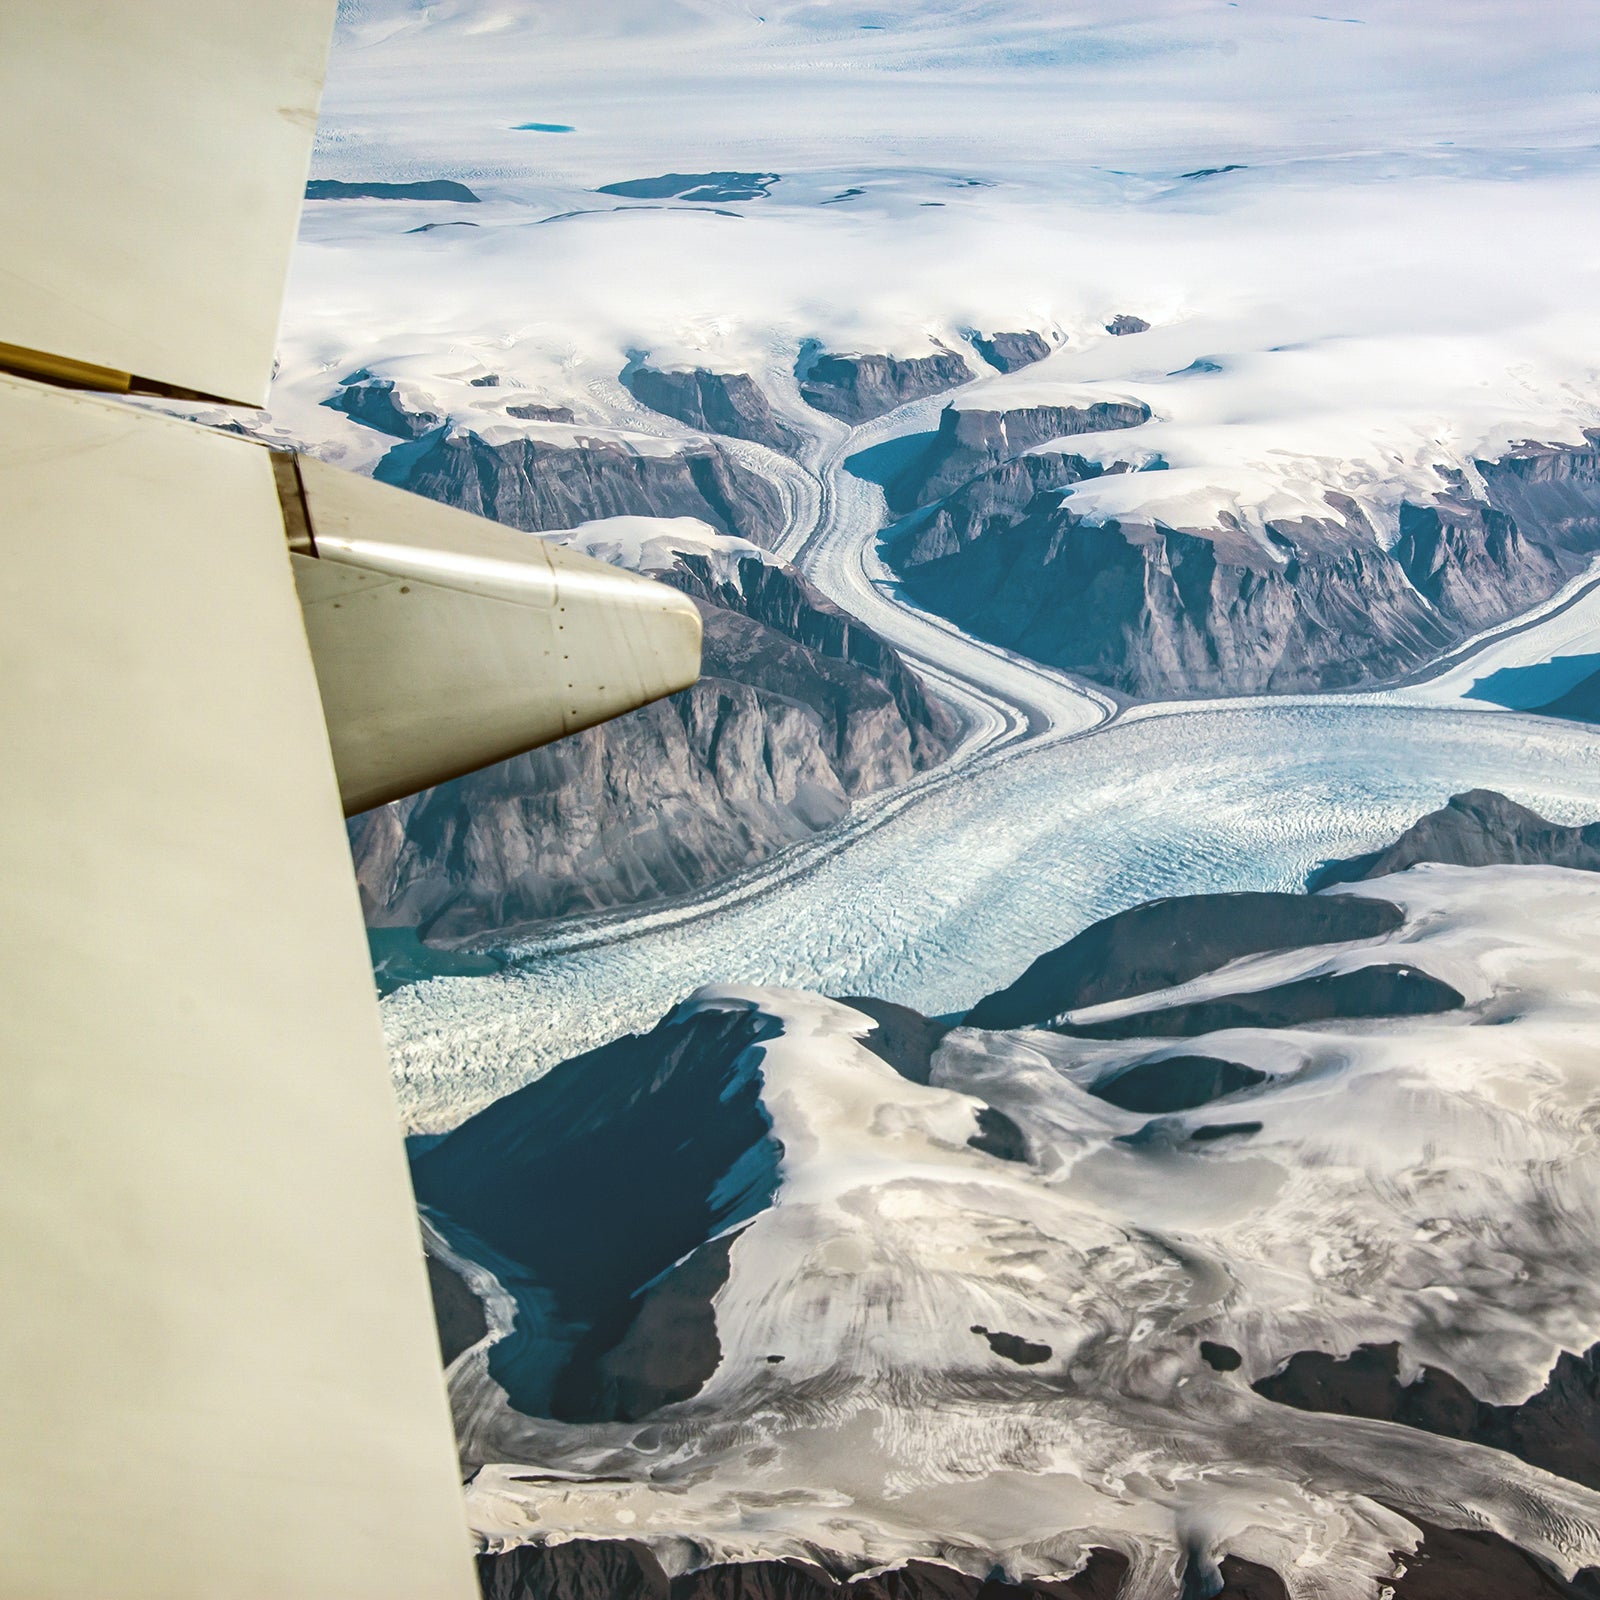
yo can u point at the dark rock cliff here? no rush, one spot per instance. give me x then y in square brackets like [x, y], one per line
[1007, 352]
[601, 1189]
[716, 402]
[969, 442]
[991, 503]
[540, 484]
[1554, 488]
[1448, 1564]
[1170, 614]
[621, 1570]
[1158, 944]
[377, 403]
[1558, 1428]
[1164, 613]
[857, 388]
[781, 600]
[1459, 553]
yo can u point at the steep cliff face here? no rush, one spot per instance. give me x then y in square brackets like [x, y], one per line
[1458, 553]
[716, 402]
[991, 503]
[1006, 352]
[1557, 1428]
[1552, 488]
[969, 442]
[780, 601]
[857, 388]
[557, 482]
[1166, 613]
[1171, 614]
[799, 712]
[378, 403]
[1448, 1564]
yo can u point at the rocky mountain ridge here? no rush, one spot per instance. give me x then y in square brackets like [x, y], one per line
[728, 403]
[859, 388]
[563, 476]
[970, 441]
[1159, 612]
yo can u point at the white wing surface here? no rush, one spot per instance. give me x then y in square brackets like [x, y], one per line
[219, 1369]
[444, 642]
[154, 158]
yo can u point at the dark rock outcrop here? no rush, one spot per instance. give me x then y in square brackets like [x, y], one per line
[1123, 324]
[990, 503]
[1012, 1347]
[1557, 1429]
[799, 711]
[1165, 942]
[715, 402]
[1161, 612]
[377, 403]
[621, 1570]
[429, 189]
[1372, 991]
[1208, 1132]
[1475, 1564]
[539, 484]
[1480, 828]
[969, 442]
[594, 1181]
[1220, 1357]
[1174, 1083]
[1231, 1578]
[533, 411]
[999, 1136]
[457, 1313]
[1007, 352]
[904, 1038]
[857, 388]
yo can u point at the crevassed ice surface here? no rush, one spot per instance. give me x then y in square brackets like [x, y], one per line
[955, 893]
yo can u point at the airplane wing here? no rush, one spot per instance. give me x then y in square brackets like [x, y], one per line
[444, 642]
[218, 1368]
[155, 160]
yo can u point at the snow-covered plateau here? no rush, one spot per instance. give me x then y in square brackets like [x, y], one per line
[802, 1279]
[1120, 451]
